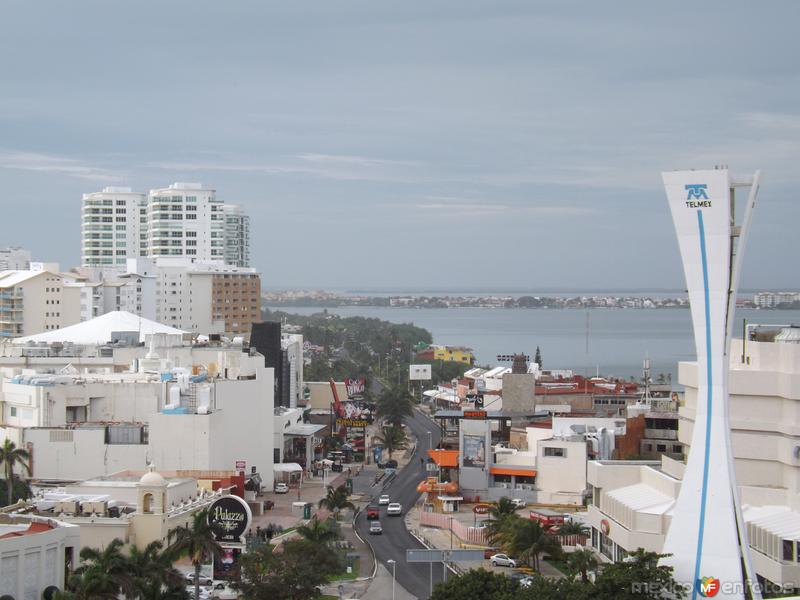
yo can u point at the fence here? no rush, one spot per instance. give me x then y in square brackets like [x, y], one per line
[473, 535]
[572, 540]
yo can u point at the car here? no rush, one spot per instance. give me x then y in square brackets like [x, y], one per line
[204, 593]
[395, 508]
[204, 579]
[384, 499]
[526, 581]
[389, 464]
[503, 560]
[373, 512]
[519, 503]
[375, 528]
[281, 488]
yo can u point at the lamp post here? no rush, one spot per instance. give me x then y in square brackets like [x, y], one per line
[451, 533]
[394, 564]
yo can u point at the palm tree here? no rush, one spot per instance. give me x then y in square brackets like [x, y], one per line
[103, 574]
[199, 542]
[581, 562]
[502, 520]
[530, 541]
[394, 405]
[336, 500]
[392, 438]
[154, 572]
[317, 532]
[573, 528]
[11, 456]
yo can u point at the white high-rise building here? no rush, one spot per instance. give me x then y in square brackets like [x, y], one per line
[185, 220]
[237, 236]
[111, 227]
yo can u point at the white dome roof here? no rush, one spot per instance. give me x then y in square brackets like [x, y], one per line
[152, 479]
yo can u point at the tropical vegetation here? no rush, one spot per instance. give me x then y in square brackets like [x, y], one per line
[392, 438]
[336, 500]
[198, 541]
[639, 577]
[10, 458]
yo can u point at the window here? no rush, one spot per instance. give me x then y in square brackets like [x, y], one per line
[677, 449]
[13, 411]
[191, 216]
[559, 452]
[788, 550]
[191, 233]
[661, 447]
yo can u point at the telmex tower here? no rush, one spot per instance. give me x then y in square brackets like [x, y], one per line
[707, 537]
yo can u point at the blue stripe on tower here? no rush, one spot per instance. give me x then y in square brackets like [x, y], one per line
[704, 493]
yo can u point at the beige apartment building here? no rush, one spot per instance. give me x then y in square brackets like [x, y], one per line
[35, 301]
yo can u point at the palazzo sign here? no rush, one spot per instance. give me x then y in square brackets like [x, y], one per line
[229, 518]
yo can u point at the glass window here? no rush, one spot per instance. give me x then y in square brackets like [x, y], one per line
[560, 452]
[788, 550]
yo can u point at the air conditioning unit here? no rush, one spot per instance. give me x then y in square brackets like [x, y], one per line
[69, 507]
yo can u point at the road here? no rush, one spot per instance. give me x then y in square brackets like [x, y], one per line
[414, 577]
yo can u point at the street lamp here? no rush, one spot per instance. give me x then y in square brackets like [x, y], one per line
[394, 564]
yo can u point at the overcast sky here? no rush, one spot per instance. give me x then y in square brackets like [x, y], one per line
[409, 144]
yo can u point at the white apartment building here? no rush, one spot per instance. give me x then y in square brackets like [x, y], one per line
[185, 219]
[632, 501]
[86, 408]
[15, 258]
[36, 300]
[237, 236]
[292, 344]
[773, 299]
[112, 223]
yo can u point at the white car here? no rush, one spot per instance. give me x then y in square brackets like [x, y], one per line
[519, 503]
[503, 560]
[395, 508]
[281, 488]
[384, 499]
[204, 579]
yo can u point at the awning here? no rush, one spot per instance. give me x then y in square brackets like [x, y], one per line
[520, 472]
[286, 468]
[444, 458]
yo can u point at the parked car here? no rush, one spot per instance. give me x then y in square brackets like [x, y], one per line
[375, 528]
[503, 560]
[384, 499]
[526, 581]
[281, 488]
[373, 512]
[204, 579]
[389, 464]
[395, 508]
[519, 503]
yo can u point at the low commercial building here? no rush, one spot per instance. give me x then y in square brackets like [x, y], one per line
[36, 554]
[632, 501]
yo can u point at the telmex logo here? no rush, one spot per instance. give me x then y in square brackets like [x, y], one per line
[696, 191]
[709, 587]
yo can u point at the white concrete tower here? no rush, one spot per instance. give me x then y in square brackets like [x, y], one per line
[707, 539]
[111, 227]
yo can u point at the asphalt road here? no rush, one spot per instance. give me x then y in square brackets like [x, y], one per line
[395, 540]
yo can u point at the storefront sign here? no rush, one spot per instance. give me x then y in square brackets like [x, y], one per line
[241, 465]
[481, 509]
[475, 414]
[229, 518]
[351, 423]
[355, 387]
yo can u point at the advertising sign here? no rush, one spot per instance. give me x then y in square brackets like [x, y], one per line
[355, 387]
[474, 451]
[224, 563]
[481, 509]
[419, 372]
[475, 414]
[352, 422]
[229, 518]
[241, 465]
[354, 409]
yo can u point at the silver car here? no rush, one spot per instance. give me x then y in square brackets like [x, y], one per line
[503, 560]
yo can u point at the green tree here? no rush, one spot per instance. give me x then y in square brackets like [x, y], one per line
[475, 584]
[529, 541]
[10, 457]
[254, 578]
[335, 500]
[317, 532]
[537, 358]
[391, 438]
[103, 574]
[573, 528]
[581, 561]
[21, 491]
[155, 576]
[638, 577]
[394, 405]
[501, 518]
[198, 540]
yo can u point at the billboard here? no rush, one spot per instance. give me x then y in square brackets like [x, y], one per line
[419, 372]
[474, 451]
[229, 518]
[706, 537]
[355, 387]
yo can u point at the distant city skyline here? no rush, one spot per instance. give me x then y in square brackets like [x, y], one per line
[510, 146]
